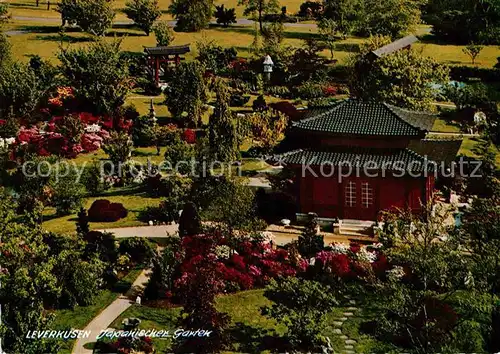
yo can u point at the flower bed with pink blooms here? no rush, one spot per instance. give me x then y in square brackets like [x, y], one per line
[249, 263]
[63, 130]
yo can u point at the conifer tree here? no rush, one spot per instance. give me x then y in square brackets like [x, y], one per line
[311, 242]
[190, 221]
[222, 131]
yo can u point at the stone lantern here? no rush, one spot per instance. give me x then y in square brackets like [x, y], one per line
[268, 67]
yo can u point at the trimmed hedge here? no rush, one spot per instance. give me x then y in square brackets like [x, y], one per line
[466, 73]
[102, 210]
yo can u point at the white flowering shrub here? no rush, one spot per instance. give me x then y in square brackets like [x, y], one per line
[222, 252]
[396, 273]
[338, 247]
[4, 143]
[93, 128]
[366, 256]
[267, 236]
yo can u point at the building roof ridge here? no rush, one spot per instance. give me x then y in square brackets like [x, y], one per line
[392, 110]
[333, 107]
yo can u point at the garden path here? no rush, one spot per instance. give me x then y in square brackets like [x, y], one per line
[110, 313]
[239, 21]
[282, 237]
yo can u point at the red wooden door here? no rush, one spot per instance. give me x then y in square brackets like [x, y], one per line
[359, 200]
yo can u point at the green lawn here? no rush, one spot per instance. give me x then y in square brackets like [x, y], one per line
[44, 40]
[443, 126]
[133, 199]
[80, 316]
[469, 148]
[248, 327]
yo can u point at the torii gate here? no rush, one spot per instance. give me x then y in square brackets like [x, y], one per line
[156, 56]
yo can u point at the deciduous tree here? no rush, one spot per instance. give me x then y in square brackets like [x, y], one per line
[187, 93]
[302, 306]
[191, 16]
[394, 18]
[268, 128]
[259, 8]
[472, 50]
[92, 16]
[143, 12]
[328, 31]
[98, 75]
[403, 78]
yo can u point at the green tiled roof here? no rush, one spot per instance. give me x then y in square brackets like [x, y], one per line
[366, 118]
[396, 159]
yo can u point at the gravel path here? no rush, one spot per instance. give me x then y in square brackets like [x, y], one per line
[110, 313]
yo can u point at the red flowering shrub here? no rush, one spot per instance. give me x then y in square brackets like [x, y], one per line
[287, 109]
[189, 136]
[239, 65]
[330, 90]
[103, 210]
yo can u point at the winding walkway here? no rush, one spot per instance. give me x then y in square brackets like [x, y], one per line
[110, 313]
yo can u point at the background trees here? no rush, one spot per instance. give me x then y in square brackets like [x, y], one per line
[191, 16]
[464, 21]
[394, 18]
[259, 8]
[224, 16]
[92, 16]
[345, 13]
[143, 12]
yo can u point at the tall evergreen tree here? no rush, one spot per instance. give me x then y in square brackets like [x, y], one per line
[82, 224]
[311, 241]
[190, 221]
[222, 131]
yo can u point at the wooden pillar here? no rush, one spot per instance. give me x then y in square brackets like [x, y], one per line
[48, 5]
[177, 59]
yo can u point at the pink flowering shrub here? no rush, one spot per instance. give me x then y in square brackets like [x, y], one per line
[65, 136]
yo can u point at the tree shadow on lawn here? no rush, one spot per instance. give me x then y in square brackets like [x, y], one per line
[121, 34]
[41, 29]
[254, 340]
[347, 47]
[251, 31]
[31, 6]
[126, 191]
[64, 38]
